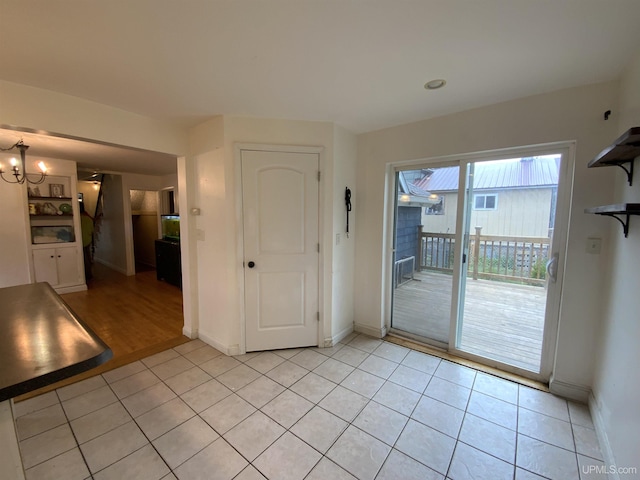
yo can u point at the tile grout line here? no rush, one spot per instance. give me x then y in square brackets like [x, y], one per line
[314, 403]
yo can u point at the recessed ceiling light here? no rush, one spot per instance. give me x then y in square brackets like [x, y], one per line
[435, 84]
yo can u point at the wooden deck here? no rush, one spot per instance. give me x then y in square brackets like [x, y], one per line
[502, 321]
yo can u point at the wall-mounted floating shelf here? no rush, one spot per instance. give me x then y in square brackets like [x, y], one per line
[624, 150]
[620, 211]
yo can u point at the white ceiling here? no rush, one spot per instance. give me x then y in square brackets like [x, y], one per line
[359, 63]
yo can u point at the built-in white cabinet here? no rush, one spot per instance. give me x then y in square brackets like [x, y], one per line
[54, 231]
[58, 266]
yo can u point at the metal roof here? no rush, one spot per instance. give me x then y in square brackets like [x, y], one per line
[411, 188]
[498, 174]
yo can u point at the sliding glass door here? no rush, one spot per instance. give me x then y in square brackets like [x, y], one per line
[475, 268]
[425, 239]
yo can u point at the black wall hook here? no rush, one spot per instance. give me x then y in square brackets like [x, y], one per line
[347, 201]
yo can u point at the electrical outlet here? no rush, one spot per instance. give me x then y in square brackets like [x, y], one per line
[594, 245]
[337, 239]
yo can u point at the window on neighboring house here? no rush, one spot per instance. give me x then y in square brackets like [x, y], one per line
[485, 202]
[436, 208]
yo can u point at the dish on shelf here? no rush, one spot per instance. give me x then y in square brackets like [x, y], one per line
[65, 208]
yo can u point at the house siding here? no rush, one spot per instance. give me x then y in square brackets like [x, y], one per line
[519, 212]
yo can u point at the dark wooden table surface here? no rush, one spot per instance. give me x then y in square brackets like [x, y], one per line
[42, 340]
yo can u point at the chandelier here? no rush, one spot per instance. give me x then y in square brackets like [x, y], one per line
[18, 171]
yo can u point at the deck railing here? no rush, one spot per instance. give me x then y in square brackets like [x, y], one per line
[495, 257]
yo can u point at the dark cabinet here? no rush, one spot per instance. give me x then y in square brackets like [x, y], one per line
[168, 266]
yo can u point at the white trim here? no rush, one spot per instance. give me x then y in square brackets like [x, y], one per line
[129, 256]
[237, 158]
[238, 148]
[338, 337]
[603, 438]
[388, 225]
[560, 243]
[188, 249]
[229, 350]
[579, 393]
[499, 154]
[369, 330]
[458, 278]
[188, 332]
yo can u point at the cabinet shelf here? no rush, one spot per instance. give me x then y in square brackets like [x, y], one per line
[50, 198]
[620, 211]
[624, 150]
[48, 217]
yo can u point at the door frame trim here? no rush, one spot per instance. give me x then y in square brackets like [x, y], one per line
[563, 212]
[238, 148]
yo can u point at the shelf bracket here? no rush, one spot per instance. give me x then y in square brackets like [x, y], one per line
[625, 224]
[628, 170]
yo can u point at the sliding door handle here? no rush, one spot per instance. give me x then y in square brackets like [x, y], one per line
[552, 268]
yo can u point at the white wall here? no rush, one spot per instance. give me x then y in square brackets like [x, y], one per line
[14, 248]
[215, 250]
[616, 386]
[343, 265]
[210, 173]
[39, 109]
[574, 114]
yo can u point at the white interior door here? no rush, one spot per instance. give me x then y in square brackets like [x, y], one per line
[280, 221]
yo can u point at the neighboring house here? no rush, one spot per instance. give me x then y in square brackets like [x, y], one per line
[510, 197]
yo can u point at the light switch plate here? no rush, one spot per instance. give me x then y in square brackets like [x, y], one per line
[594, 245]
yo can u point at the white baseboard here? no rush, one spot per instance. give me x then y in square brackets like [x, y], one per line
[229, 350]
[579, 393]
[371, 331]
[330, 342]
[188, 332]
[603, 439]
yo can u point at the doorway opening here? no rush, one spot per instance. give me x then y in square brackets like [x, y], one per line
[145, 228]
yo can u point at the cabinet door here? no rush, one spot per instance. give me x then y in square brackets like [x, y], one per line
[67, 263]
[44, 262]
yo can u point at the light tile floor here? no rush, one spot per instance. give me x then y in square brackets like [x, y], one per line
[364, 409]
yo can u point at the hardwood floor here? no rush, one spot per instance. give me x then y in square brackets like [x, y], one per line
[136, 316]
[129, 313]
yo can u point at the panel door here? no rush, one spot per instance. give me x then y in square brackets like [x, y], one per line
[280, 220]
